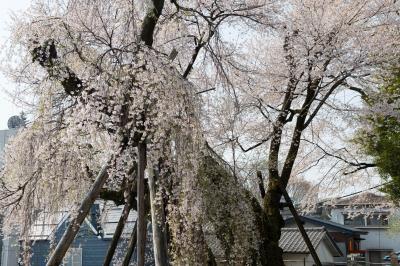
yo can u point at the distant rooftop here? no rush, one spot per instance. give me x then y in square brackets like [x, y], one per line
[366, 198]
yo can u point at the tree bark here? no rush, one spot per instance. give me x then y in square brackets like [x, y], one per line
[146, 35]
[150, 21]
[73, 228]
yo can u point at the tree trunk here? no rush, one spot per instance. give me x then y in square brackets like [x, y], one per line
[73, 228]
[158, 225]
[274, 253]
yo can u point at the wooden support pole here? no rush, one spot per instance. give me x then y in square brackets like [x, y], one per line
[157, 223]
[75, 223]
[141, 219]
[300, 225]
[117, 234]
[131, 247]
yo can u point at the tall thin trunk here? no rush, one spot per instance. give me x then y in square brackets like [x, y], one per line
[146, 35]
[75, 224]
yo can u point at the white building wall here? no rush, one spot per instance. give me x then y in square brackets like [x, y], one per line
[337, 216]
[4, 136]
[325, 256]
[9, 255]
[296, 259]
[380, 238]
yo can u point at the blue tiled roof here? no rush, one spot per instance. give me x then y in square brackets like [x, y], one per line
[330, 225]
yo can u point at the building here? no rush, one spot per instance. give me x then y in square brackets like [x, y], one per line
[8, 247]
[90, 246]
[296, 253]
[348, 239]
[5, 135]
[370, 213]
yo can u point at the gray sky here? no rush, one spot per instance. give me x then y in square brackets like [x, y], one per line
[7, 108]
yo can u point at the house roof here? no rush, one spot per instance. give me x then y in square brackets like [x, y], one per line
[292, 241]
[330, 225]
[110, 220]
[47, 224]
[366, 198]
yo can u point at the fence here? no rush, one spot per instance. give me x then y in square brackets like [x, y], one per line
[348, 263]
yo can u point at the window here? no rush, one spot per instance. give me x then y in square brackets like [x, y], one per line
[377, 220]
[73, 257]
[357, 220]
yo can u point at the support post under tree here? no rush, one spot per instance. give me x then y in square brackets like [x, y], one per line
[75, 223]
[157, 223]
[300, 225]
[141, 219]
[131, 247]
[117, 234]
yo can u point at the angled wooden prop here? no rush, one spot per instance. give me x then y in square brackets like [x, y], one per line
[76, 222]
[300, 225]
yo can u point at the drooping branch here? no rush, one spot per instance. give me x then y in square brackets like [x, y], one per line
[149, 23]
[141, 220]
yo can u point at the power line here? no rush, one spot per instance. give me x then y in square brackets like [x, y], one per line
[357, 192]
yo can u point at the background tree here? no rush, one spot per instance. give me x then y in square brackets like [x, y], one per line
[380, 135]
[289, 101]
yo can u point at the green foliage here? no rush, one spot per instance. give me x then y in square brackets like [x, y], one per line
[381, 137]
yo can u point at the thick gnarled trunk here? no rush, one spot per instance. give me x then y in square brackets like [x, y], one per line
[274, 224]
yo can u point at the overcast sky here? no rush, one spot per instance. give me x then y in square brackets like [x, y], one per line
[7, 108]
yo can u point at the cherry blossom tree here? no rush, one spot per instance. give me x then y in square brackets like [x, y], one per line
[288, 97]
[104, 98]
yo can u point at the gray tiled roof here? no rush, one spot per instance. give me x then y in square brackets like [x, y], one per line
[291, 240]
